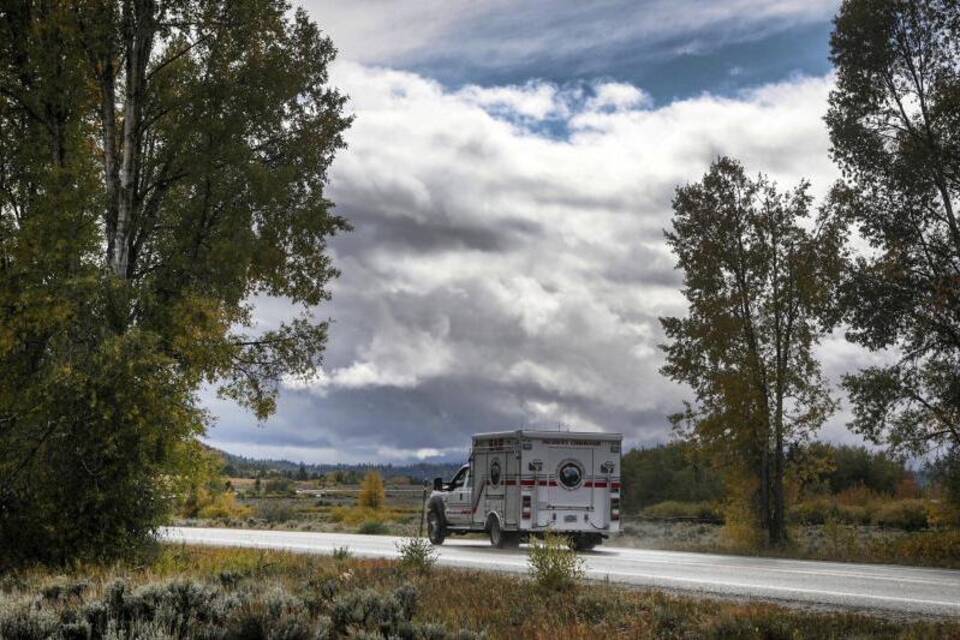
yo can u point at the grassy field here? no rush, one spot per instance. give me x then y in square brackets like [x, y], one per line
[247, 594]
[302, 506]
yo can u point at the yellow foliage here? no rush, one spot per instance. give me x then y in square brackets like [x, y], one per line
[741, 530]
[373, 495]
[222, 505]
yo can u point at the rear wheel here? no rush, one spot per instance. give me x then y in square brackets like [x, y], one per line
[436, 531]
[511, 539]
[497, 535]
[584, 542]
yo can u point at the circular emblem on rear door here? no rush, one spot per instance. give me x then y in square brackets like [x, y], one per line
[495, 472]
[570, 474]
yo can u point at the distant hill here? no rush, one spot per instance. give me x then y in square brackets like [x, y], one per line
[243, 467]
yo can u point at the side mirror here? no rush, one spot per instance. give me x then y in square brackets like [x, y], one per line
[438, 484]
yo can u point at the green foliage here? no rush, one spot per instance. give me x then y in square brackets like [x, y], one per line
[760, 286]
[366, 610]
[858, 466]
[666, 473]
[274, 511]
[553, 563]
[373, 495]
[417, 555]
[910, 515]
[279, 486]
[894, 119]
[374, 528]
[141, 206]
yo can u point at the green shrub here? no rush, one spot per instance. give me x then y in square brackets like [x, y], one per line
[813, 512]
[818, 511]
[373, 528]
[342, 554]
[417, 555]
[279, 486]
[909, 515]
[64, 589]
[274, 511]
[367, 610]
[554, 564]
[21, 621]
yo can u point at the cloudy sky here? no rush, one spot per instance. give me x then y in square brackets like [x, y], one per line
[509, 176]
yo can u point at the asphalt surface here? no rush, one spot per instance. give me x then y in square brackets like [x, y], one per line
[904, 590]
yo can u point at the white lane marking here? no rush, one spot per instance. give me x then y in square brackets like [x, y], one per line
[819, 592]
[812, 572]
[893, 571]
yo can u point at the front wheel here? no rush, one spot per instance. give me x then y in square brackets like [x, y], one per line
[436, 532]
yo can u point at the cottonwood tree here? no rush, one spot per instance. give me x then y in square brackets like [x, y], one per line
[162, 162]
[758, 277]
[894, 122]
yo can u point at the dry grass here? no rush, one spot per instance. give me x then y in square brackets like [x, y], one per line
[498, 605]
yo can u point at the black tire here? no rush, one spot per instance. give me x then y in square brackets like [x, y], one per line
[511, 539]
[497, 535]
[436, 530]
[583, 542]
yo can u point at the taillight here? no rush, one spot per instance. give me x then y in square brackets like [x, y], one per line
[615, 508]
[526, 508]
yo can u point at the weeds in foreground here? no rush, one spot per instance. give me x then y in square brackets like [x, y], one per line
[417, 555]
[260, 593]
[554, 565]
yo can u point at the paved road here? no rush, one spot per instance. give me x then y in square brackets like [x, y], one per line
[857, 586]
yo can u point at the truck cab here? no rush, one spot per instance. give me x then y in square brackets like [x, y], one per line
[523, 483]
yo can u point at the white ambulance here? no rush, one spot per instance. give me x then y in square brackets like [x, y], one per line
[524, 483]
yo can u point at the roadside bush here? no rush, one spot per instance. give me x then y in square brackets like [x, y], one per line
[279, 486]
[21, 620]
[223, 506]
[813, 512]
[909, 515]
[822, 510]
[930, 548]
[673, 510]
[417, 555]
[373, 528]
[274, 511]
[368, 610]
[554, 565]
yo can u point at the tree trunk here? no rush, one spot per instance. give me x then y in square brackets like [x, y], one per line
[138, 45]
[778, 525]
[765, 515]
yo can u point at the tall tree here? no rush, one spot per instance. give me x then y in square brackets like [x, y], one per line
[161, 163]
[894, 122]
[759, 285]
